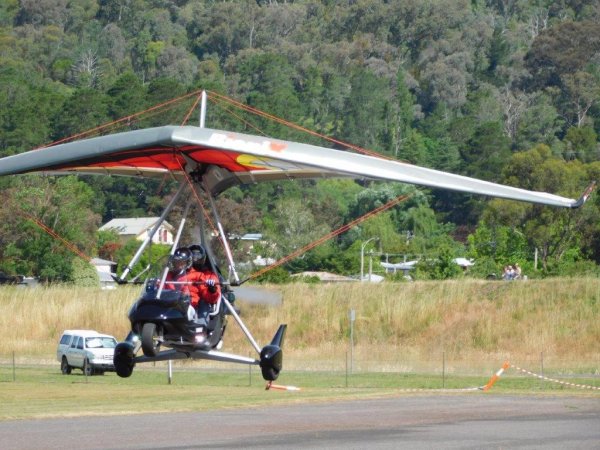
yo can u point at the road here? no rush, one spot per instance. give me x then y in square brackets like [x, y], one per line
[470, 421]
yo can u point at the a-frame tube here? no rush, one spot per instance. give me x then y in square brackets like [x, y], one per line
[148, 239]
[222, 235]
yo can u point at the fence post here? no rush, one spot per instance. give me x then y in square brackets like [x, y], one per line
[542, 369]
[346, 369]
[443, 370]
[352, 318]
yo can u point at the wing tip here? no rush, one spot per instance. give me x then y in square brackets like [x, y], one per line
[586, 194]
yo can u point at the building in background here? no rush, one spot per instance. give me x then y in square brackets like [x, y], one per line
[139, 228]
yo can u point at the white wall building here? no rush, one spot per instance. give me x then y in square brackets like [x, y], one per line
[139, 228]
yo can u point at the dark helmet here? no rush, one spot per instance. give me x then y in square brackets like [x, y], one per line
[180, 261]
[198, 256]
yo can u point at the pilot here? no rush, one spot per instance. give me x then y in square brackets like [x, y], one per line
[180, 263]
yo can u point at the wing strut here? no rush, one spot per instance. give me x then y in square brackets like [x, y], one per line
[148, 239]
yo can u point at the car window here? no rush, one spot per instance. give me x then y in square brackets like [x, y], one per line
[74, 343]
[65, 339]
[109, 342]
[100, 342]
[80, 343]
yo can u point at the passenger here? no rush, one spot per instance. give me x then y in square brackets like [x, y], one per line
[209, 289]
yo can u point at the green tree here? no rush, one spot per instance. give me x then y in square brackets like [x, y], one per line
[62, 205]
[28, 101]
[488, 150]
[268, 84]
[582, 143]
[364, 116]
[85, 109]
[126, 96]
[550, 230]
[562, 49]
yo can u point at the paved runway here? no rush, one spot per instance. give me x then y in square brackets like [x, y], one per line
[416, 422]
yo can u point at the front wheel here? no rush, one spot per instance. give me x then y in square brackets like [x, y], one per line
[150, 339]
[65, 368]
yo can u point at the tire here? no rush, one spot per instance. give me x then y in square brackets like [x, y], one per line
[150, 339]
[65, 368]
[87, 369]
[124, 359]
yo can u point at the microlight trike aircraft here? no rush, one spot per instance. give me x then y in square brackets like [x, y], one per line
[209, 161]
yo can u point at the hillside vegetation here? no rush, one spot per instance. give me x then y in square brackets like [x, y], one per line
[505, 91]
[465, 320]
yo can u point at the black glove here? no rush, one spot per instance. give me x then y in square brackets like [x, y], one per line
[212, 286]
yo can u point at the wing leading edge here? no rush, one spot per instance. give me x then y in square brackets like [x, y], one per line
[226, 158]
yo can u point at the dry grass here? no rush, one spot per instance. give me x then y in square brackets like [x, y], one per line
[395, 323]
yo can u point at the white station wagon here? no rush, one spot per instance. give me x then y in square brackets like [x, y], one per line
[87, 350]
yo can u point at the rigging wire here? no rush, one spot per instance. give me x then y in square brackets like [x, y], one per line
[328, 236]
[95, 130]
[296, 126]
[69, 245]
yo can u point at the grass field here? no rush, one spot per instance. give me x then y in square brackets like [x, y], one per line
[469, 320]
[39, 392]
[423, 335]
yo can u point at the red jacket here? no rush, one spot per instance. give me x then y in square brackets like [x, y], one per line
[194, 285]
[205, 294]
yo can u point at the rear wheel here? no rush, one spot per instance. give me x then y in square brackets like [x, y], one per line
[150, 339]
[65, 368]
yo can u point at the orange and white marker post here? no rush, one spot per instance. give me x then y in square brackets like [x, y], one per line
[497, 375]
[279, 387]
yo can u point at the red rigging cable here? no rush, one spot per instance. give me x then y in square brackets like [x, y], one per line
[159, 107]
[198, 199]
[220, 103]
[328, 236]
[296, 126]
[52, 233]
[191, 110]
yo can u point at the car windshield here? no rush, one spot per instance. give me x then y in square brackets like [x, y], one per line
[100, 342]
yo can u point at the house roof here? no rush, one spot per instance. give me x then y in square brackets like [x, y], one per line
[325, 276]
[132, 226]
[464, 262]
[406, 265]
[101, 262]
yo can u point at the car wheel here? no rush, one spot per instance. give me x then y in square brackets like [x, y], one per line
[88, 370]
[150, 339]
[65, 368]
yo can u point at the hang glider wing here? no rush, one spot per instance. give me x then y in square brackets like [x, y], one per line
[224, 159]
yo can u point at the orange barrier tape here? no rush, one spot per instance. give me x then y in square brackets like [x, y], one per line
[553, 380]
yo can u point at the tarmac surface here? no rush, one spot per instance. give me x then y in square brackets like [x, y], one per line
[462, 421]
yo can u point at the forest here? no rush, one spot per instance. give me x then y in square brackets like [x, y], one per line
[503, 90]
